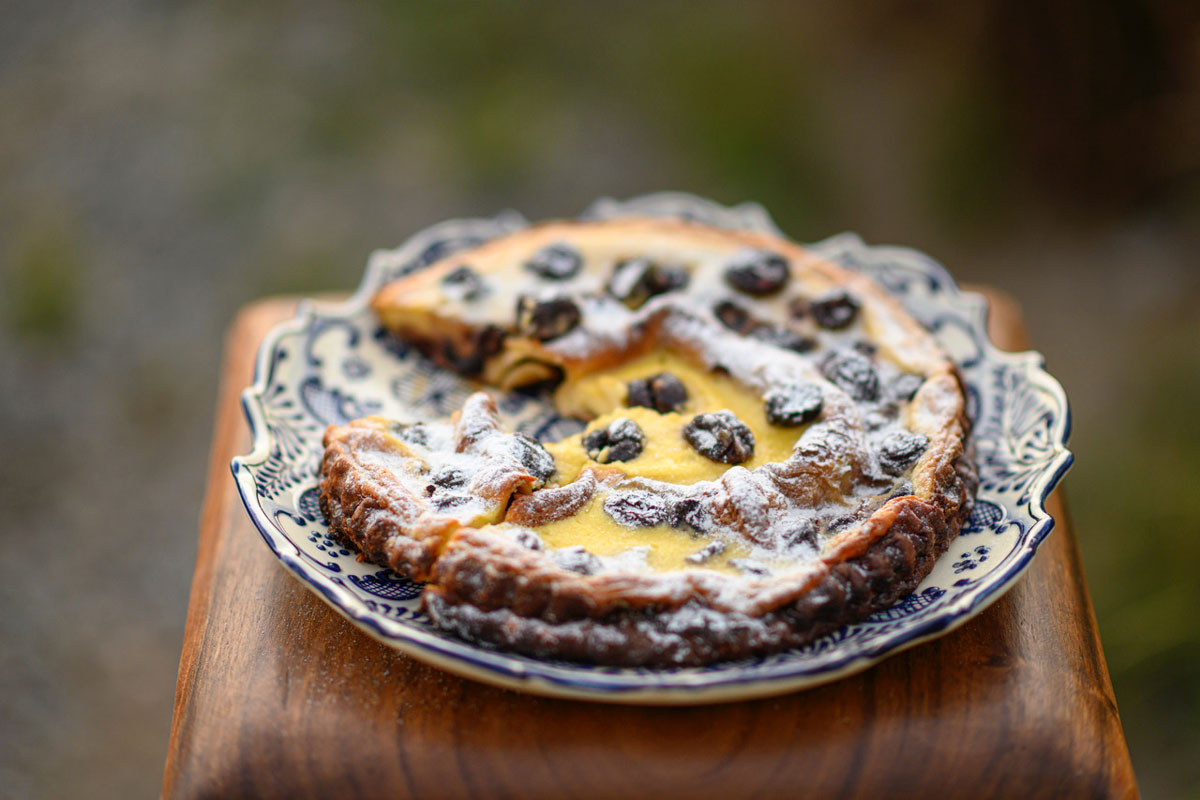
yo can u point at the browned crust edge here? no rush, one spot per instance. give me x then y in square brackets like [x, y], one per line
[539, 621]
[361, 514]
[490, 590]
[695, 633]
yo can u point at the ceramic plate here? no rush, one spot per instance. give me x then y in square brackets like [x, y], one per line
[333, 363]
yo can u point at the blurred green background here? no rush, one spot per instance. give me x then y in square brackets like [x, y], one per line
[162, 164]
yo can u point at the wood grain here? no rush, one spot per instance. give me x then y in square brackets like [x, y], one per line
[278, 696]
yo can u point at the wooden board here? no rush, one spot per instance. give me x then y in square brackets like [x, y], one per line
[278, 696]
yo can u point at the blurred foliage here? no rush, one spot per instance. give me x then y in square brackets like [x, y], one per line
[971, 162]
[1138, 497]
[502, 84]
[296, 271]
[43, 283]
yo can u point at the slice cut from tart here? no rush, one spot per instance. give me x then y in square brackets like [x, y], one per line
[773, 448]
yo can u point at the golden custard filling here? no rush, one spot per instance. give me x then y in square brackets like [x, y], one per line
[667, 456]
[598, 533]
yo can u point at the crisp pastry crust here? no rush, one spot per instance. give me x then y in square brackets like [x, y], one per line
[827, 494]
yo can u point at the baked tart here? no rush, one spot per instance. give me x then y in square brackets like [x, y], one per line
[773, 446]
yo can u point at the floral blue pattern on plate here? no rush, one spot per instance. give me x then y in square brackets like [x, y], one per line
[333, 363]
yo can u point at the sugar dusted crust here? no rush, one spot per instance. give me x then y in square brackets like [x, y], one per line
[474, 537]
[894, 551]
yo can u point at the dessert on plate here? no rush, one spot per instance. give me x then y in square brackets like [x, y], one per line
[773, 446]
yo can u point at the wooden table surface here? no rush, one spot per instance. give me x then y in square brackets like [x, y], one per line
[279, 696]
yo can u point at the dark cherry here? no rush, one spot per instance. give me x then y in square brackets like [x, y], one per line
[637, 508]
[546, 319]
[802, 533]
[835, 310]
[487, 342]
[449, 501]
[662, 392]
[490, 340]
[785, 338]
[533, 457]
[555, 262]
[721, 437]
[449, 478]
[905, 387]
[576, 559]
[794, 406]
[622, 440]
[530, 540]
[638, 279]
[899, 450]
[853, 373]
[690, 513]
[844, 521]
[733, 316]
[463, 283]
[758, 272]
[413, 433]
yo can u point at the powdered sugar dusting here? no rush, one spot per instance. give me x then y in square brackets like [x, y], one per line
[783, 512]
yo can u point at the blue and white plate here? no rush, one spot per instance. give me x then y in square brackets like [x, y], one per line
[332, 363]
